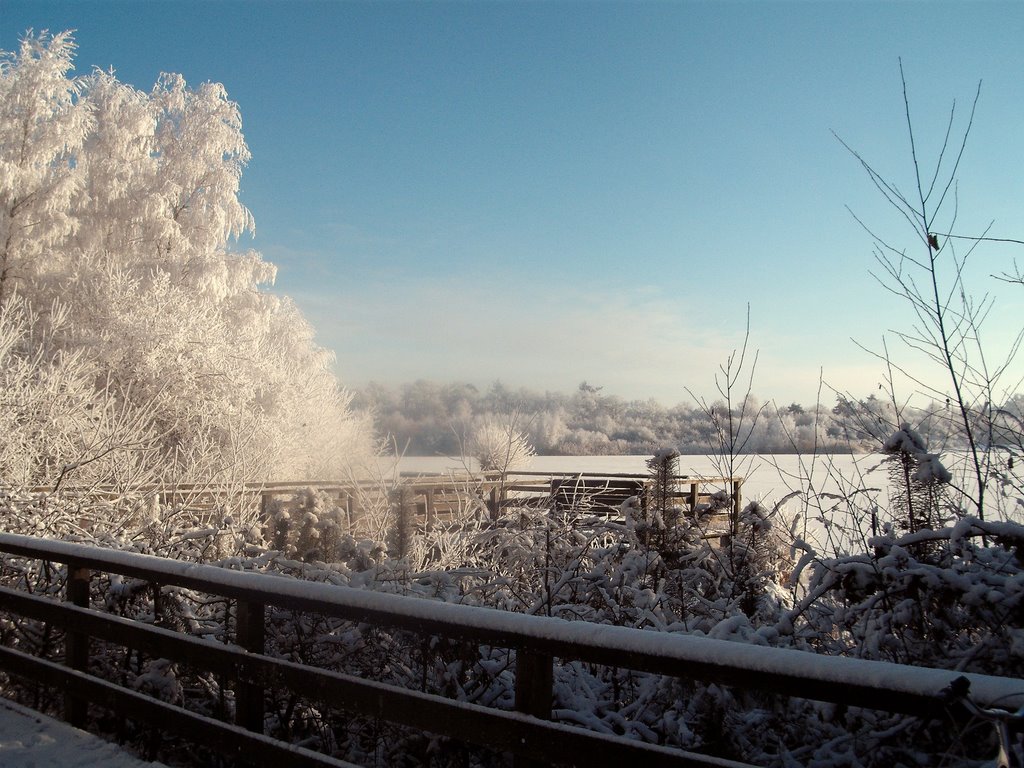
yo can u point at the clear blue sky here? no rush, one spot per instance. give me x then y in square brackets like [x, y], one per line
[544, 193]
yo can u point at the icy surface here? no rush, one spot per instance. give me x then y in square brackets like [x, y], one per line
[31, 740]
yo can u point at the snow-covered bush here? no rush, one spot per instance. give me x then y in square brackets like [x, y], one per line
[917, 480]
[402, 533]
[309, 526]
[499, 445]
[959, 605]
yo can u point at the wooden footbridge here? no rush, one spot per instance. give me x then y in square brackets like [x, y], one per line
[436, 499]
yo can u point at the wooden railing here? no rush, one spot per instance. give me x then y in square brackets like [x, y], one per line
[536, 640]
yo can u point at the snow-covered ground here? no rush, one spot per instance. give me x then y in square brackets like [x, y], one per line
[29, 739]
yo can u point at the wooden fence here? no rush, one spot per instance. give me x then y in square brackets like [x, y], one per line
[537, 641]
[449, 497]
[443, 498]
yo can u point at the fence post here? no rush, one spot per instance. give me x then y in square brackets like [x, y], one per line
[350, 511]
[251, 636]
[431, 511]
[76, 644]
[737, 496]
[694, 495]
[534, 675]
[494, 503]
[158, 605]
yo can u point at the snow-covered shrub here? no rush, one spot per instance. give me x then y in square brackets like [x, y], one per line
[160, 681]
[313, 528]
[917, 480]
[402, 532]
[655, 519]
[959, 606]
[499, 445]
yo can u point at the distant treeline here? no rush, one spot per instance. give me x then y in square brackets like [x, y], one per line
[426, 418]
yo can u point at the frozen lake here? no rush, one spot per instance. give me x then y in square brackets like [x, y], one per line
[766, 478]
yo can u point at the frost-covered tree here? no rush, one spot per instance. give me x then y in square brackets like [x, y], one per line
[53, 420]
[42, 128]
[123, 207]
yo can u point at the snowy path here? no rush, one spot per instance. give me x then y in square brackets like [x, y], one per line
[29, 739]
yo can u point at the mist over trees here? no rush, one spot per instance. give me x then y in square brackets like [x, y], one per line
[137, 343]
[427, 418]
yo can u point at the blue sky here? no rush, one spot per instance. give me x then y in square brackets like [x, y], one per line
[546, 193]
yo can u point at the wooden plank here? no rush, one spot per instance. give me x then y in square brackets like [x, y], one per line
[431, 507]
[281, 487]
[534, 679]
[534, 676]
[165, 644]
[842, 680]
[709, 480]
[593, 493]
[251, 620]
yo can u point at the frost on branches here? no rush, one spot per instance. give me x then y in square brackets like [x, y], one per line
[500, 444]
[118, 211]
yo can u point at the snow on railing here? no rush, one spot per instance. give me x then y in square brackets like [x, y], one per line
[537, 640]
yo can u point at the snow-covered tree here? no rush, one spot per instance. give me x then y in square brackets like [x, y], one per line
[42, 128]
[122, 206]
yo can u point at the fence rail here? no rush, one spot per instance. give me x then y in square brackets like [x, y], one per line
[536, 640]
